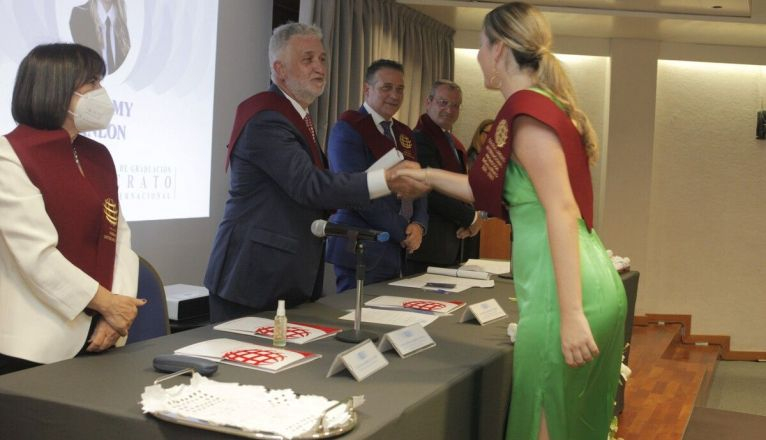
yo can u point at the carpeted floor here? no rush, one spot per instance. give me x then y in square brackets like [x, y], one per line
[716, 424]
[735, 407]
[739, 386]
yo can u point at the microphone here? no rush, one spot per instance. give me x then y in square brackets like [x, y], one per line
[323, 228]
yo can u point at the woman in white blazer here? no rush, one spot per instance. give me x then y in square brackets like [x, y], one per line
[68, 276]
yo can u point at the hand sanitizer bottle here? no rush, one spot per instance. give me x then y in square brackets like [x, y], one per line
[280, 325]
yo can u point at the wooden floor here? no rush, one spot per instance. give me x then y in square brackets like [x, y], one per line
[668, 379]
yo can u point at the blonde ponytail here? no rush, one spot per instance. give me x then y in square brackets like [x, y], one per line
[525, 31]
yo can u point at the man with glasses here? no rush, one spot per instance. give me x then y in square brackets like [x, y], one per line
[452, 224]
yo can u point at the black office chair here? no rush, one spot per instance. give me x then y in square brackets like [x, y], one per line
[152, 319]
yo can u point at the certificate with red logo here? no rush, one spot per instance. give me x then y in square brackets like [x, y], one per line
[243, 354]
[297, 333]
[414, 304]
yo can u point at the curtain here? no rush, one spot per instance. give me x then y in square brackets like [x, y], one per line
[358, 32]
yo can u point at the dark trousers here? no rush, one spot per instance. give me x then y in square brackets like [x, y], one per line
[222, 310]
[412, 267]
[9, 364]
[345, 278]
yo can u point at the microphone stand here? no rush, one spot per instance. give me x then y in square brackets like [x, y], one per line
[357, 334]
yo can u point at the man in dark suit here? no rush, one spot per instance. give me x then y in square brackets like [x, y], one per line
[102, 26]
[452, 224]
[264, 249]
[357, 140]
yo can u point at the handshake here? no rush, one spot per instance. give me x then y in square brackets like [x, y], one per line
[406, 186]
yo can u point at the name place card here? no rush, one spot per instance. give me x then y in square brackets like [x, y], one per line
[362, 360]
[484, 312]
[407, 341]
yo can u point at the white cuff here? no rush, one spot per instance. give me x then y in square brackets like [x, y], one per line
[376, 184]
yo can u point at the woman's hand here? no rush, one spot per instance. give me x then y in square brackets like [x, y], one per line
[104, 336]
[577, 343]
[418, 174]
[404, 186]
[118, 311]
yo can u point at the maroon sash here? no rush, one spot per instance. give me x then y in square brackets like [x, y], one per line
[439, 137]
[488, 178]
[84, 210]
[272, 100]
[376, 141]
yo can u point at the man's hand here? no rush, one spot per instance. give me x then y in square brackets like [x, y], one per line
[414, 237]
[403, 186]
[472, 230]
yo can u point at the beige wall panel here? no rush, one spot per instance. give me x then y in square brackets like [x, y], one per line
[707, 236]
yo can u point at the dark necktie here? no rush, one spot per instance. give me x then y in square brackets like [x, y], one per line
[387, 130]
[316, 152]
[109, 51]
[310, 125]
[454, 148]
[406, 208]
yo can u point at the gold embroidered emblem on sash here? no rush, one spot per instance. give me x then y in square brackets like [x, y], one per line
[405, 141]
[111, 213]
[501, 133]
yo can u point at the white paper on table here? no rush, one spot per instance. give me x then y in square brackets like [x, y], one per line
[392, 317]
[491, 266]
[388, 160]
[406, 341]
[459, 273]
[461, 284]
[361, 360]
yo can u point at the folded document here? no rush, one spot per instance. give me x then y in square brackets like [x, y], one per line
[297, 333]
[243, 354]
[459, 273]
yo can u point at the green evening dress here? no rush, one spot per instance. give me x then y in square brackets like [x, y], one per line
[578, 402]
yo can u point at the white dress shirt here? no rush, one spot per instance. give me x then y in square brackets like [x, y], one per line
[376, 180]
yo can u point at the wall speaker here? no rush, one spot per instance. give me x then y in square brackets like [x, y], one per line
[760, 128]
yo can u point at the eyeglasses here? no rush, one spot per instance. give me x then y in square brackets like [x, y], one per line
[445, 103]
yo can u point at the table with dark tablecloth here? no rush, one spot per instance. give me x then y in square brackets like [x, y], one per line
[458, 389]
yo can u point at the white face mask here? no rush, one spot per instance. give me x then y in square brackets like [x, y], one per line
[93, 110]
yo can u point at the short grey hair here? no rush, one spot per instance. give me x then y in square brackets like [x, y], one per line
[452, 85]
[282, 35]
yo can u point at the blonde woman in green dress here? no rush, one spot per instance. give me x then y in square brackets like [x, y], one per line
[535, 165]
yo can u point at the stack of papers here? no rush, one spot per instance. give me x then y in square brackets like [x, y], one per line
[461, 284]
[415, 304]
[392, 317]
[459, 273]
[491, 266]
[264, 328]
[391, 158]
[242, 354]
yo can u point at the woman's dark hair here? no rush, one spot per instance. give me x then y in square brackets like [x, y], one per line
[47, 79]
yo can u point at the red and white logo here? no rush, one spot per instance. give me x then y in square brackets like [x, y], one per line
[428, 306]
[255, 356]
[291, 332]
